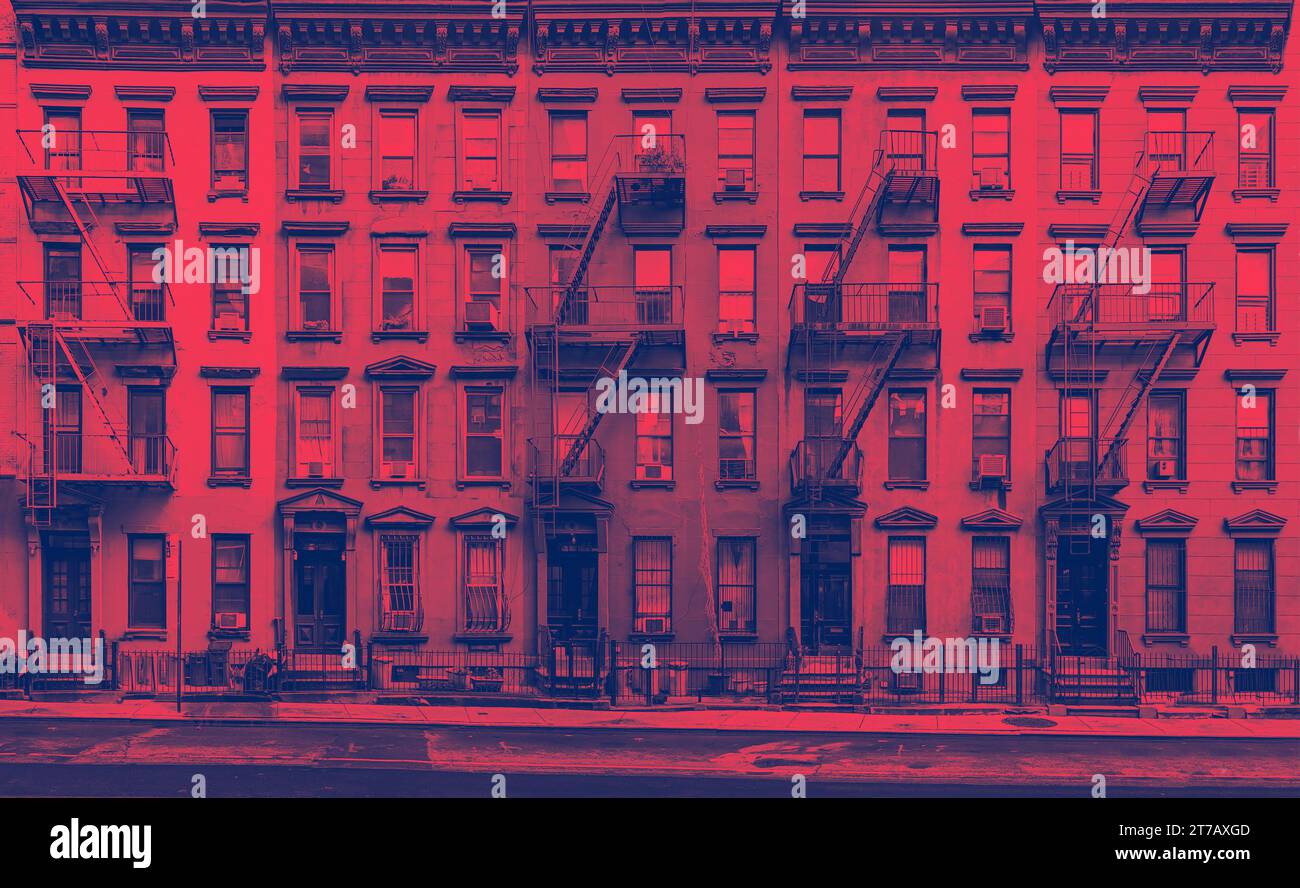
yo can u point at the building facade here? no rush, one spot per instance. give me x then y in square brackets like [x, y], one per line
[967, 320]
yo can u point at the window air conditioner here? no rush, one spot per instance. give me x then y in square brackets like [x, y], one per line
[733, 179]
[992, 179]
[993, 467]
[231, 620]
[481, 316]
[993, 319]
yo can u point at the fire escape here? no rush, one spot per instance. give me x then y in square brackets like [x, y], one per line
[872, 324]
[1145, 323]
[69, 180]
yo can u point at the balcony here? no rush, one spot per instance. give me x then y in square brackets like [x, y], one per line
[910, 161]
[105, 312]
[650, 183]
[592, 309]
[865, 308]
[1180, 169]
[1076, 462]
[99, 168]
[547, 455]
[148, 460]
[1118, 314]
[810, 463]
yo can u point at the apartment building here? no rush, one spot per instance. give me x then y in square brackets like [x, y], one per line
[851, 239]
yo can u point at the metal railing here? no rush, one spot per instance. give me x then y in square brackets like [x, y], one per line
[1075, 460]
[106, 456]
[865, 306]
[607, 307]
[811, 460]
[590, 467]
[658, 154]
[487, 609]
[87, 153]
[1179, 152]
[99, 301]
[910, 152]
[1162, 306]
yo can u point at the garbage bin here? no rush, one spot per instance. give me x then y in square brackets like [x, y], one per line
[674, 682]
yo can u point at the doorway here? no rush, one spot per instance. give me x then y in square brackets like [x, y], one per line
[1082, 601]
[826, 585]
[320, 599]
[571, 587]
[66, 584]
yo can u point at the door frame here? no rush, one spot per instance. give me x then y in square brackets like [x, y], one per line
[1100, 555]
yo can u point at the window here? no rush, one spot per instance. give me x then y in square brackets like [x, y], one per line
[1167, 276]
[1255, 290]
[654, 438]
[991, 433]
[652, 274]
[821, 152]
[736, 150]
[398, 421]
[480, 150]
[398, 149]
[992, 288]
[907, 435]
[146, 294]
[485, 266]
[737, 590]
[399, 582]
[314, 149]
[649, 127]
[62, 435]
[147, 585]
[229, 151]
[907, 146]
[736, 288]
[652, 591]
[569, 151]
[486, 606]
[1254, 592]
[146, 141]
[907, 272]
[736, 442]
[991, 149]
[1255, 148]
[146, 418]
[1255, 436]
[62, 281]
[230, 581]
[484, 436]
[1079, 150]
[819, 261]
[313, 439]
[991, 585]
[1166, 430]
[399, 274]
[230, 433]
[314, 280]
[230, 299]
[905, 605]
[64, 153]
[1166, 585]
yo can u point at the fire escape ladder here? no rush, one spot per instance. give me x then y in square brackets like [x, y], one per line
[1138, 184]
[546, 494]
[84, 379]
[42, 486]
[86, 239]
[865, 208]
[864, 398]
[1134, 396]
[616, 361]
[597, 220]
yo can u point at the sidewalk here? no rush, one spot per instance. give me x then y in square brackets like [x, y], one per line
[765, 721]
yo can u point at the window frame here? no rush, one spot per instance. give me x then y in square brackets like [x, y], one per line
[992, 298]
[642, 586]
[384, 113]
[1002, 113]
[301, 114]
[1179, 397]
[743, 324]
[296, 461]
[384, 584]
[499, 391]
[239, 290]
[1092, 158]
[500, 603]
[998, 585]
[748, 592]
[893, 436]
[894, 591]
[389, 245]
[1177, 590]
[297, 325]
[558, 158]
[666, 469]
[382, 468]
[749, 472]
[244, 431]
[464, 157]
[216, 183]
[1240, 628]
[837, 115]
[1269, 460]
[246, 541]
[976, 436]
[745, 161]
[468, 252]
[1268, 154]
[1269, 299]
[133, 618]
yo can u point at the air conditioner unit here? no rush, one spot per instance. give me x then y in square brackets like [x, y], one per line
[1164, 468]
[907, 681]
[732, 327]
[993, 319]
[990, 624]
[733, 179]
[397, 469]
[993, 467]
[228, 323]
[481, 316]
[653, 473]
[231, 620]
[654, 625]
[992, 179]
[315, 470]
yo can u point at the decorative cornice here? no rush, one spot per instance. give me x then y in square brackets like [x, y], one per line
[737, 95]
[821, 93]
[483, 518]
[401, 367]
[1255, 374]
[907, 518]
[320, 373]
[992, 519]
[229, 93]
[145, 93]
[1167, 522]
[400, 516]
[1167, 95]
[1077, 231]
[144, 229]
[560, 95]
[315, 92]
[504, 230]
[460, 92]
[992, 374]
[735, 374]
[566, 232]
[906, 93]
[61, 92]
[229, 372]
[823, 229]
[1257, 94]
[1093, 94]
[652, 96]
[1268, 232]
[1256, 522]
[398, 93]
[745, 231]
[992, 229]
[304, 228]
[989, 92]
[229, 229]
[484, 371]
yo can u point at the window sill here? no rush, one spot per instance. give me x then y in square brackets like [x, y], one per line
[483, 335]
[482, 637]
[462, 483]
[1003, 336]
[906, 485]
[314, 336]
[228, 635]
[738, 637]
[229, 481]
[1153, 485]
[1001, 636]
[735, 337]
[736, 484]
[377, 483]
[749, 197]
[313, 482]
[1179, 638]
[1240, 638]
[392, 637]
[663, 637]
[977, 484]
[993, 194]
[821, 195]
[145, 635]
[1089, 196]
[216, 195]
[481, 196]
[333, 195]
[553, 197]
[1270, 337]
[652, 485]
[1240, 194]
[236, 335]
[404, 335]
[380, 196]
[1242, 486]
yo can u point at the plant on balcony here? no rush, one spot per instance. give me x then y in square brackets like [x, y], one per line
[661, 159]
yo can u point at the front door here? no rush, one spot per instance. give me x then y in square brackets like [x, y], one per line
[1081, 595]
[320, 598]
[571, 590]
[826, 608]
[67, 593]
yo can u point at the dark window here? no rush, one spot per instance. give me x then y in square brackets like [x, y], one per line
[1254, 592]
[654, 438]
[397, 433]
[147, 298]
[1166, 434]
[991, 585]
[737, 596]
[991, 433]
[652, 275]
[230, 432]
[314, 305]
[399, 582]
[230, 298]
[398, 277]
[1255, 157]
[821, 151]
[147, 585]
[146, 141]
[146, 411]
[229, 150]
[62, 281]
[1255, 290]
[905, 605]
[736, 442]
[1255, 436]
[484, 435]
[1166, 586]
[1079, 150]
[486, 607]
[230, 581]
[991, 149]
[64, 150]
[652, 591]
[485, 271]
[62, 431]
[313, 440]
[907, 435]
